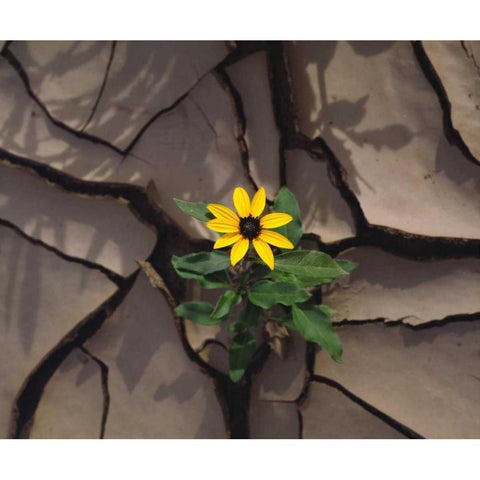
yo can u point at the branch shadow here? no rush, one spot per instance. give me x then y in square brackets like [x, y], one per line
[70, 66]
[337, 120]
[182, 151]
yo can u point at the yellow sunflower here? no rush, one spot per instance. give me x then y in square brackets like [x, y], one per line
[247, 225]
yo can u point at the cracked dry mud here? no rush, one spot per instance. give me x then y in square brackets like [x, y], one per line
[378, 140]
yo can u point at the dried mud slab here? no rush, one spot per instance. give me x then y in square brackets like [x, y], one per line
[376, 110]
[211, 341]
[27, 131]
[324, 212]
[426, 379]
[167, 117]
[146, 78]
[458, 66]
[155, 390]
[72, 402]
[42, 297]
[283, 379]
[215, 354]
[399, 289]
[273, 420]
[191, 153]
[197, 334]
[100, 230]
[196, 140]
[66, 77]
[250, 78]
[111, 90]
[327, 413]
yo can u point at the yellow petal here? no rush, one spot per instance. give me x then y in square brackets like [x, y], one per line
[241, 200]
[220, 211]
[226, 240]
[258, 202]
[275, 239]
[274, 220]
[223, 226]
[264, 251]
[239, 250]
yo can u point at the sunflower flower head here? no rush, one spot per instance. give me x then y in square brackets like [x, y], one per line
[248, 226]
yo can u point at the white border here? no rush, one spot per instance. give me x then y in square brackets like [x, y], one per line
[232, 460]
[240, 20]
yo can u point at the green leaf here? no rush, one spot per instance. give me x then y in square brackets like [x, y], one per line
[213, 280]
[314, 323]
[196, 210]
[309, 265]
[201, 263]
[240, 351]
[198, 312]
[286, 320]
[285, 202]
[303, 282]
[250, 315]
[234, 327]
[265, 294]
[346, 265]
[190, 266]
[260, 271]
[300, 280]
[225, 303]
[247, 319]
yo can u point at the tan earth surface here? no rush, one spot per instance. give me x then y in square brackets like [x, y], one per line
[380, 143]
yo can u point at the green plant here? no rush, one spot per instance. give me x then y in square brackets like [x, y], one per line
[271, 287]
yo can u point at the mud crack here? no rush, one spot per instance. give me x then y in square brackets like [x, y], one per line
[241, 120]
[117, 279]
[399, 427]
[451, 133]
[30, 393]
[105, 391]
[16, 65]
[102, 87]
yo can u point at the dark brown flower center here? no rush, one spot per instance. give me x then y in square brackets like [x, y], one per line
[250, 227]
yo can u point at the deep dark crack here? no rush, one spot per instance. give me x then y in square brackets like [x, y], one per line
[241, 120]
[402, 244]
[171, 240]
[319, 150]
[16, 65]
[399, 427]
[210, 341]
[300, 424]
[5, 46]
[434, 323]
[283, 101]
[393, 240]
[234, 398]
[242, 50]
[119, 280]
[399, 242]
[30, 393]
